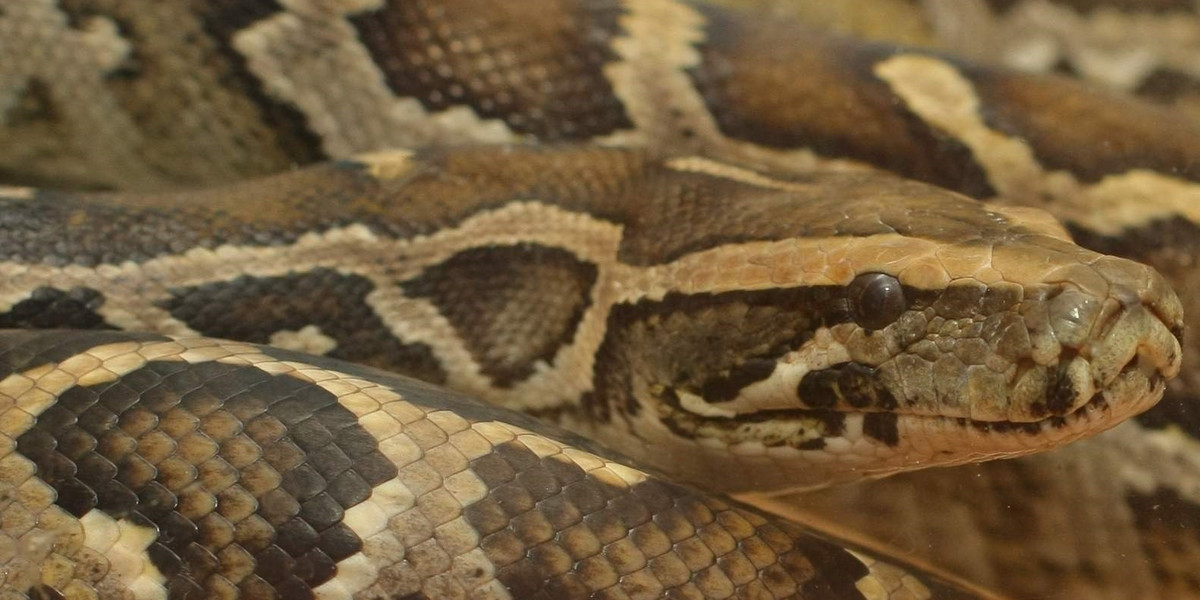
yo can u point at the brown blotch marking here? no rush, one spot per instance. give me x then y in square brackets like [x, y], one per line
[512, 305]
[304, 461]
[1166, 523]
[782, 85]
[34, 105]
[538, 65]
[1175, 409]
[1167, 85]
[182, 59]
[252, 309]
[882, 426]
[1062, 120]
[1087, 6]
[674, 531]
[53, 308]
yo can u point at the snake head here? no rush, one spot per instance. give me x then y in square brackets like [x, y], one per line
[926, 345]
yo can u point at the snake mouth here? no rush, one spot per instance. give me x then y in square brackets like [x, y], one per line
[839, 446]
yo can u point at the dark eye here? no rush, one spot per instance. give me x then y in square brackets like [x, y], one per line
[876, 300]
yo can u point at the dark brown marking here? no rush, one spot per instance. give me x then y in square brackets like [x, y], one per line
[1087, 6]
[685, 341]
[182, 58]
[1166, 523]
[252, 309]
[52, 308]
[852, 385]
[309, 462]
[1166, 85]
[818, 389]
[537, 65]
[777, 83]
[882, 427]
[1007, 427]
[1060, 396]
[33, 105]
[514, 306]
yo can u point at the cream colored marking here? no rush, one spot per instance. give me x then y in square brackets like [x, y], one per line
[937, 92]
[885, 581]
[297, 53]
[17, 193]
[1133, 199]
[657, 47]
[308, 339]
[1115, 47]
[721, 170]
[941, 95]
[387, 164]
[124, 544]
[697, 405]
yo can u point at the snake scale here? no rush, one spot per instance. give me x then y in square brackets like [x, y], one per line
[725, 250]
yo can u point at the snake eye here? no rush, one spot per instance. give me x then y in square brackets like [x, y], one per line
[876, 300]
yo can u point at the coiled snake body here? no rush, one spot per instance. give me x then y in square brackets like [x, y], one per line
[721, 286]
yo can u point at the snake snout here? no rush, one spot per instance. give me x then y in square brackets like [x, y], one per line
[1106, 331]
[1141, 322]
[1120, 341]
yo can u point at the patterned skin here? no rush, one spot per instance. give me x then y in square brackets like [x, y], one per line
[91, 92]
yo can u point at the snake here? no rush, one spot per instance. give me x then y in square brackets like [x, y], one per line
[705, 249]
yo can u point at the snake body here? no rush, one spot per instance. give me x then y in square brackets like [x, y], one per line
[719, 284]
